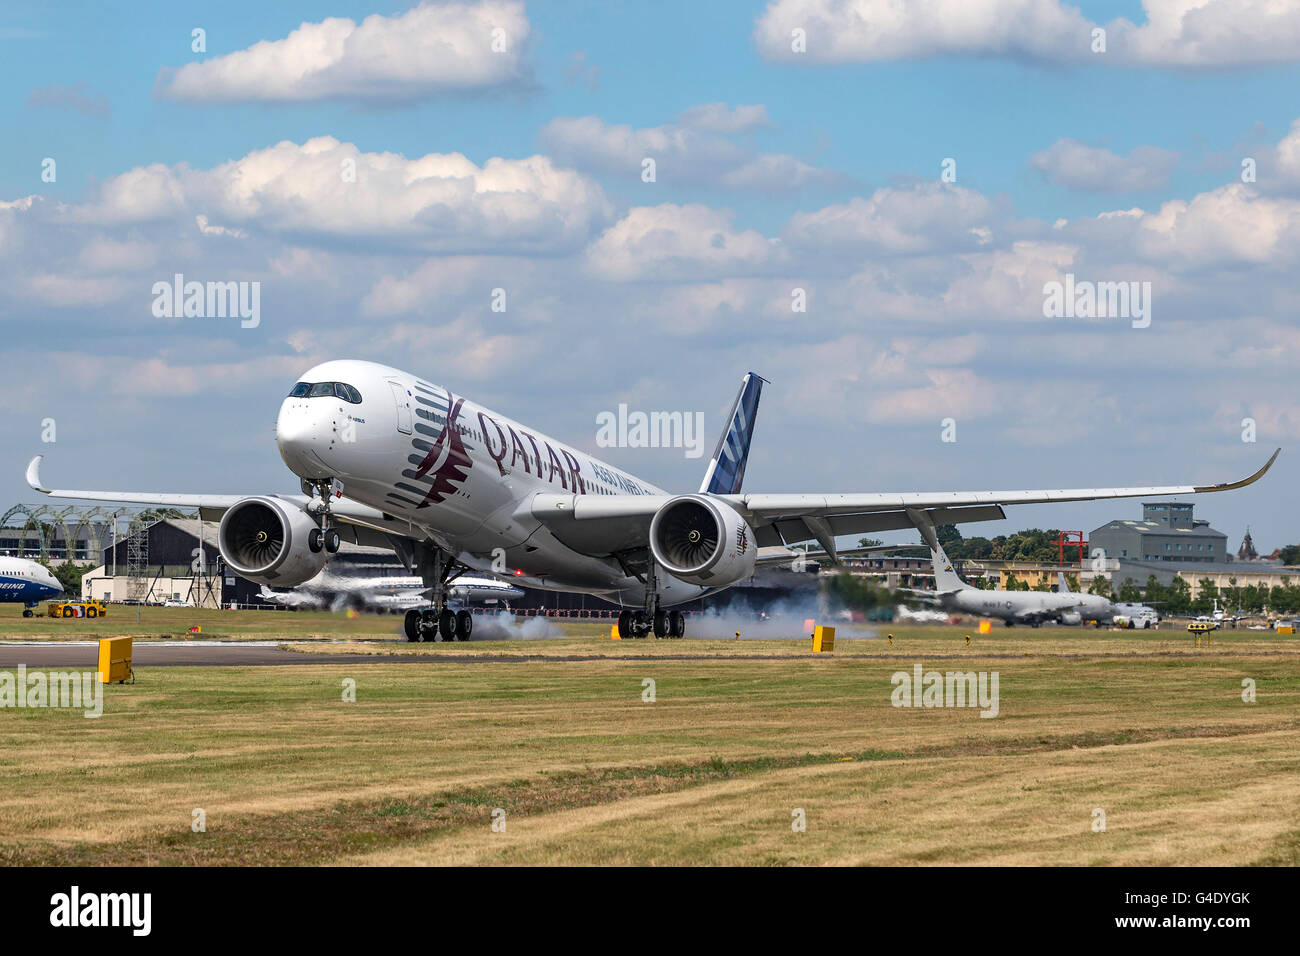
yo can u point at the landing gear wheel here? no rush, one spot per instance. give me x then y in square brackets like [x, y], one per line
[447, 625]
[315, 540]
[412, 625]
[428, 627]
[625, 624]
[27, 612]
[641, 624]
[676, 624]
[332, 541]
[661, 624]
[464, 625]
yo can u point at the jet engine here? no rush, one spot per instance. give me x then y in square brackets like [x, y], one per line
[265, 541]
[702, 541]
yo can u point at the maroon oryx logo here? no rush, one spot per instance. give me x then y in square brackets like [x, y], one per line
[449, 457]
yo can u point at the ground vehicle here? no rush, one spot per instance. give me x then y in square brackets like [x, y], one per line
[76, 609]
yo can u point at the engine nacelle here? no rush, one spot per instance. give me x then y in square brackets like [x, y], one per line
[702, 541]
[265, 541]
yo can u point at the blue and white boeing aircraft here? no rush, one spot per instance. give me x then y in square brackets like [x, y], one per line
[28, 582]
[386, 458]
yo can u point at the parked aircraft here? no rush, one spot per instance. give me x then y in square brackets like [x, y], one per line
[28, 582]
[1012, 607]
[389, 593]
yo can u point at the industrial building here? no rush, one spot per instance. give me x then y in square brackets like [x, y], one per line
[1170, 543]
[1167, 532]
[162, 563]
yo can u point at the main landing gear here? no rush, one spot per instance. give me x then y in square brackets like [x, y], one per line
[429, 624]
[660, 623]
[437, 621]
[325, 536]
[653, 619]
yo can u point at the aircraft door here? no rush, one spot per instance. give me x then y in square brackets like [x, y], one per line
[403, 402]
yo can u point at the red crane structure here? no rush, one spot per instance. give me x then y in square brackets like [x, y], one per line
[1073, 539]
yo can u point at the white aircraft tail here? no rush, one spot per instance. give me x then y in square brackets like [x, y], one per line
[1062, 583]
[945, 578]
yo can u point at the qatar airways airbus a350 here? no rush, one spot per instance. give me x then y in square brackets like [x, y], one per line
[386, 458]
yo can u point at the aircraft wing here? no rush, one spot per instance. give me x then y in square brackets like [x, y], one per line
[782, 556]
[162, 500]
[358, 523]
[603, 524]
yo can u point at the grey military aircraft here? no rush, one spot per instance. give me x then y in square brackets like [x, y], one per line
[1012, 607]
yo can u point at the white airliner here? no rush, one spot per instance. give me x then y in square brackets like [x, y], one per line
[388, 593]
[386, 458]
[28, 582]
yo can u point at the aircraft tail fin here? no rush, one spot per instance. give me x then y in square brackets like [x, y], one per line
[945, 578]
[1062, 583]
[726, 471]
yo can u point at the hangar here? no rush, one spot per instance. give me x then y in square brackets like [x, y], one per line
[1167, 532]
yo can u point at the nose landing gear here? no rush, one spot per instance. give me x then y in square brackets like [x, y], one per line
[326, 536]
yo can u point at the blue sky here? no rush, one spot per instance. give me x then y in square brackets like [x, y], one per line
[927, 307]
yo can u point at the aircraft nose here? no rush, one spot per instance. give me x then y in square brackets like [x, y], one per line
[298, 435]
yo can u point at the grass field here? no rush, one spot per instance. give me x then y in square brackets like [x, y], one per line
[738, 739]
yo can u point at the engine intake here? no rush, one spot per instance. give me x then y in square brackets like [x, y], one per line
[265, 541]
[703, 542]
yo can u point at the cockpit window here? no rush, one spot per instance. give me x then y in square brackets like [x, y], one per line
[326, 390]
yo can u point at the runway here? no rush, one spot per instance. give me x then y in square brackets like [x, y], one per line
[85, 655]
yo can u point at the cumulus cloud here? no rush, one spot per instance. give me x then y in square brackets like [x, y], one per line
[924, 217]
[431, 49]
[689, 151]
[1229, 226]
[327, 189]
[948, 391]
[1184, 33]
[721, 118]
[669, 242]
[1076, 165]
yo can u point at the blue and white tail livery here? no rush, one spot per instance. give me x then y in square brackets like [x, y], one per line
[727, 468]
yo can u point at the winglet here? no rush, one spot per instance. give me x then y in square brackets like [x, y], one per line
[1229, 485]
[34, 475]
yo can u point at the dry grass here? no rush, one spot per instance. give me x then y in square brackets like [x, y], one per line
[709, 773]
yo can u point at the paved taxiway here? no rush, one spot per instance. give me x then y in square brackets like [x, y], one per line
[85, 654]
